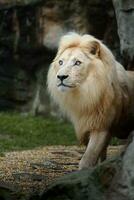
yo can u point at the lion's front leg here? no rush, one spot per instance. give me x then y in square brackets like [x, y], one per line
[95, 146]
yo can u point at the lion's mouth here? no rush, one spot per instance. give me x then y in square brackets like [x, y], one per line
[69, 86]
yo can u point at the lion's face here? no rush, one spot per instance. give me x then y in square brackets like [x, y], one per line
[72, 68]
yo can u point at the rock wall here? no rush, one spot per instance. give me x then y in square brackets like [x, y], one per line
[125, 19]
[29, 34]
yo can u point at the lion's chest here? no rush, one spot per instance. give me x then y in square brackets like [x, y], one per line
[86, 124]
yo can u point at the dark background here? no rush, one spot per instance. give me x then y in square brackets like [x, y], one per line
[29, 34]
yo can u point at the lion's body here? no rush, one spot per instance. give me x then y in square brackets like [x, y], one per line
[99, 94]
[125, 123]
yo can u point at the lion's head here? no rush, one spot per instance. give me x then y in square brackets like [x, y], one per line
[82, 69]
[75, 61]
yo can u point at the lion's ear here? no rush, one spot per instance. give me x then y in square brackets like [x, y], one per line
[95, 48]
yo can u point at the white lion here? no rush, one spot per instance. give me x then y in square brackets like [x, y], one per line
[94, 91]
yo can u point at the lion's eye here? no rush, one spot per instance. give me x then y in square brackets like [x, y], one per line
[77, 62]
[60, 62]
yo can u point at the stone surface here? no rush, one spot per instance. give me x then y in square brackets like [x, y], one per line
[125, 20]
[84, 184]
[7, 192]
[123, 183]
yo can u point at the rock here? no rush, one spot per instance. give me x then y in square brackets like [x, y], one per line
[21, 176]
[123, 183]
[83, 185]
[125, 20]
[6, 192]
[47, 164]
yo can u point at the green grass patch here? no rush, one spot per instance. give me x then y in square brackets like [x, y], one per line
[19, 132]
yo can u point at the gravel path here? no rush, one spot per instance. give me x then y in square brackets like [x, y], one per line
[31, 171]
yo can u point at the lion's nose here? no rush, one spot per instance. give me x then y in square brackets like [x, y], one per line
[62, 77]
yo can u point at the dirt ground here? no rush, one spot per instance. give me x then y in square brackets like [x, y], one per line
[31, 171]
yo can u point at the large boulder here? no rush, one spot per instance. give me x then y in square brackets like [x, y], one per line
[125, 19]
[89, 184]
[122, 185]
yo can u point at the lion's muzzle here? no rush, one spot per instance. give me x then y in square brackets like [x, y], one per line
[62, 77]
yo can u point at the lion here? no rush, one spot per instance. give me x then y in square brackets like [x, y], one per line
[94, 91]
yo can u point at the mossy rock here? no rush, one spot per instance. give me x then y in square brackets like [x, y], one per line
[88, 184]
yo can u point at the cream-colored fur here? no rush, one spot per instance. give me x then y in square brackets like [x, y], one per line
[97, 95]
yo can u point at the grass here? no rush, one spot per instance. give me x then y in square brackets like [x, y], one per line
[19, 132]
